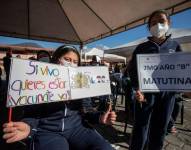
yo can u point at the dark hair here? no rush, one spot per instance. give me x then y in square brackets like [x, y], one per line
[9, 53]
[62, 50]
[39, 53]
[94, 58]
[162, 11]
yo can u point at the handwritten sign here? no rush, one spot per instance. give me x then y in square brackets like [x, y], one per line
[89, 81]
[33, 82]
[164, 72]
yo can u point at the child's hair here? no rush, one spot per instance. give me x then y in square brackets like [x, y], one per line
[162, 11]
[44, 53]
[62, 50]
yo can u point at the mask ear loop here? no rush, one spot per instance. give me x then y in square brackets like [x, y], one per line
[168, 34]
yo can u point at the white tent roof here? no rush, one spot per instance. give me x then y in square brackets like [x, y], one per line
[107, 57]
[183, 36]
[95, 51]
[78, 21]
[114, 58]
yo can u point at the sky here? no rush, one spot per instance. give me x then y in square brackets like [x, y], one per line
[180, 20]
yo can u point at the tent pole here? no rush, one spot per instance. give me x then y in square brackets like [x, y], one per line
[103, 56]
[81, 47]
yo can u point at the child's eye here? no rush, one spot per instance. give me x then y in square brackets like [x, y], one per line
[67, 59]
[75, 62]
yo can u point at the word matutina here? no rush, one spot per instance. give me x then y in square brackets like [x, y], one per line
[180, 81]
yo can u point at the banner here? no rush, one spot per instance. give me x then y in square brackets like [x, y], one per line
[164, 72]
[33, 82]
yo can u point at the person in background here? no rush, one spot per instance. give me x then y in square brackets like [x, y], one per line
[111, 68]
[117, 68]
[43, 56]
[7, 63]
[128, 91]
[123, 68]
[1, 72]
[61, 125]
[152, 110]
[96, 61]
[32, 58]
[18, 56]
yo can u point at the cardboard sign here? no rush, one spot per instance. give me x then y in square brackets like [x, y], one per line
[164, 72]
[89, 81]
[33, 82]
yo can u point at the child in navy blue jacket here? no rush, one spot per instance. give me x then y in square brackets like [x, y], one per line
[153, 114]
[61, 125]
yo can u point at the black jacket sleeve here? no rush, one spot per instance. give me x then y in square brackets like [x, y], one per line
[133, 69]
[33, 123]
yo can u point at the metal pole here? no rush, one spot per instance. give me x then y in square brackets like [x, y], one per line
[81, 47]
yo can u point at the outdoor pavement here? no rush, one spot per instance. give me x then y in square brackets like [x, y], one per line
[179, 141]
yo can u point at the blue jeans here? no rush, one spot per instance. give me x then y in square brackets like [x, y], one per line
[80, 138]
[151, 121]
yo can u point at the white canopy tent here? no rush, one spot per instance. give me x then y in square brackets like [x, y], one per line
[100, 52]
[114, 58]
[183, 36]
[94, 51]
[78, 21]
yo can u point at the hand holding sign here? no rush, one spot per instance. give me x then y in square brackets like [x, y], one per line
[139, 96]
[164, 72]
[15, 131]
[109, 117]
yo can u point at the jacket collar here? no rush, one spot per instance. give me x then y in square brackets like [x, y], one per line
[168, 37]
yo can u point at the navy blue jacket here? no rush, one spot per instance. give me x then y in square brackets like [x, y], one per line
[150, 47]
[60, 116]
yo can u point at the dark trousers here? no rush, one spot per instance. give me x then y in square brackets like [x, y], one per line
[80, 138]
[151, 121]
[176, 111]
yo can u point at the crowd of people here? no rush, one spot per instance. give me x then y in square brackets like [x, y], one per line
[68, 125]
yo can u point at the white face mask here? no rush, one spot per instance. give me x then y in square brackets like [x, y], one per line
[67, 63]
[159, 30]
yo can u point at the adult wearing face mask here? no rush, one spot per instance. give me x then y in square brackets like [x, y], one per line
[61, 125]
[154, 112]
[43, 56]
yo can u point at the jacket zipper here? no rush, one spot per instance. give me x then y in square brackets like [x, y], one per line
[65, 113]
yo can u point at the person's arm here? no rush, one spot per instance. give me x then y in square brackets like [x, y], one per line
[23, 129]
[95, 117]
[20, 130]
[134, 75]
[15, 131]
[109, 117]
[133, 69]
